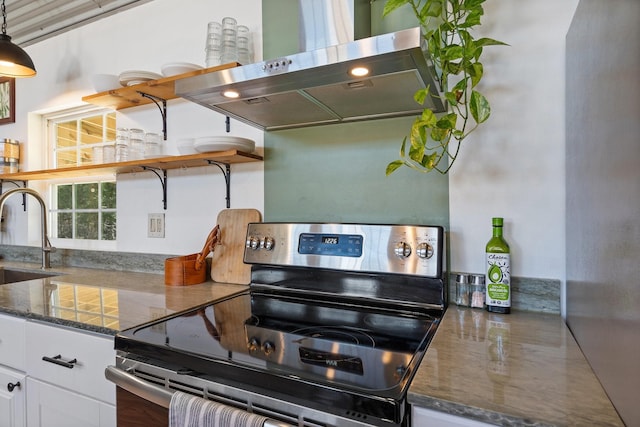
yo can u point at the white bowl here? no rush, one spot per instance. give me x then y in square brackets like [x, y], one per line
[185, 146]
[105, 82]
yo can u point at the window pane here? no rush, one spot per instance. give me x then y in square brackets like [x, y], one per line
[65, 226]
[65, 158]
[66, 134]
[91, 130]
[111, 127]
[86, 155]
[87, 226]
[109, 226]
[108, 195]
[64, 197]
[87, 196]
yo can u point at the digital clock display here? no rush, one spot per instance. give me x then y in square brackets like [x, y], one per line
[346, 245]
[330, 240]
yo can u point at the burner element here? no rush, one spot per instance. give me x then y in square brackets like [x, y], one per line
[342, 334]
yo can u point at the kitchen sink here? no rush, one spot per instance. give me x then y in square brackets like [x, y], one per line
[9, 275]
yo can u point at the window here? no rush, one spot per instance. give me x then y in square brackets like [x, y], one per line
[75, 138]
[82, 208]
[85, 211]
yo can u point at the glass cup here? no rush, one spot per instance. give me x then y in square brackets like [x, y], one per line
[121, 153]
[109, 153]
[152, 145]
[136, 144]
[98, 154]
[214, 28]
[229, 23]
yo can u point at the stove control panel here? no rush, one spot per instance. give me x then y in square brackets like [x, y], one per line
[404, 249]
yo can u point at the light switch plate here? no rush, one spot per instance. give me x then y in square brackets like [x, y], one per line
[155, 225]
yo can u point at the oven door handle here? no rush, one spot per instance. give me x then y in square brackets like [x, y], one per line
[153, 393]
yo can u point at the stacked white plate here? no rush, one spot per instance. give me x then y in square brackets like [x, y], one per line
[209, 144]
[134, 77]
[174, 68]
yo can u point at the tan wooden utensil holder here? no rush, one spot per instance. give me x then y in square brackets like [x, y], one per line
[190, 269]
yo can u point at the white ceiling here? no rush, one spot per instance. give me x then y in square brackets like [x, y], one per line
[30, 21]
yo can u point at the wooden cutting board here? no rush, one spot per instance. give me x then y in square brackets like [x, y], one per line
[227, 265]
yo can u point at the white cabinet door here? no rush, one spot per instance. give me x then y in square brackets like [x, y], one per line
[422, 417]
[12, 346]
[12, 403]
[50, 406]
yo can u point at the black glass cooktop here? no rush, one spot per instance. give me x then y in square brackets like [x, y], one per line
[331, 343]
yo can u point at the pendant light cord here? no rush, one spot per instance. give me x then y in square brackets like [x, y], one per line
[4, 19]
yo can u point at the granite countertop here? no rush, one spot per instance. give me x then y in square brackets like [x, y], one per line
[102, 301]
[519, 369]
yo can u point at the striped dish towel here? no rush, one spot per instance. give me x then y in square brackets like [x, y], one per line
[186, 410]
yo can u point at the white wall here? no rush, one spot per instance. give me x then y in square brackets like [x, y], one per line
[513, 166]
[144, 38]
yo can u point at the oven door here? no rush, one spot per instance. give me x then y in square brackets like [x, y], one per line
[140, 403]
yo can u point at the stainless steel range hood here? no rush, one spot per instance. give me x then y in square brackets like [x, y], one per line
[315, 87]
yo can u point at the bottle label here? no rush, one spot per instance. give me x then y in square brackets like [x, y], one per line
[498, 280]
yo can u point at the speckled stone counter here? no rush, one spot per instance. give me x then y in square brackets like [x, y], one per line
[102, 301]
[521, 369]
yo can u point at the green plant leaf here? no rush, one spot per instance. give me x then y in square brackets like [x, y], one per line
[402, 147]
[430, 161]
[392, 5]
[484, 41]
[428, 117]
[431, 8]
[479, 106]
[393, 166]
[475, 70]
[451, 98]
[448, 121]
[453, 52]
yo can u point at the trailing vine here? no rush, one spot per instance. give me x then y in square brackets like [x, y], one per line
[434, 142]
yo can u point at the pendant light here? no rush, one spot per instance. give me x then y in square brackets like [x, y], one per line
[14, 62]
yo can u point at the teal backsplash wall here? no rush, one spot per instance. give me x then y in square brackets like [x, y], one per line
[337, 173]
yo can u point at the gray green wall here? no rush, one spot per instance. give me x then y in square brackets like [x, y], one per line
[336, 173]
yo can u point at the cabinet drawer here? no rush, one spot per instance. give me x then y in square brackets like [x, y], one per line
[12, 331]
[86, 356]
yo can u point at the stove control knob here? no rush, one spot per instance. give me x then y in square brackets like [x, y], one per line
[268, 243]
[253, 242]
[268, 348]
[253, 344]
[425, 250]
[403, 250]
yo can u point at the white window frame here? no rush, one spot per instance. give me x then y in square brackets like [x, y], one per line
[49, 160]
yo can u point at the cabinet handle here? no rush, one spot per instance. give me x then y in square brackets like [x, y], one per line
[10, 386]
[58, 361]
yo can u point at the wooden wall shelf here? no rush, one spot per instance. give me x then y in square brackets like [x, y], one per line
[130, 96]
[163, 163]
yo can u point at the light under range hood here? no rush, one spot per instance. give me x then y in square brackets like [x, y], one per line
[315, 87]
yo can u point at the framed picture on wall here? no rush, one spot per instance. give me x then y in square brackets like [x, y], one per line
[7, 100]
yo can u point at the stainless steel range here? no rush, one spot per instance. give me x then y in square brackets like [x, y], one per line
[329, 333]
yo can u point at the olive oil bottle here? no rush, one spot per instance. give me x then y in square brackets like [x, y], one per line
[498, 271]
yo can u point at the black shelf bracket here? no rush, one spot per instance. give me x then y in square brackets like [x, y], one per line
[24, 195]
[163, 182]
[225, 168]
[163, 110]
